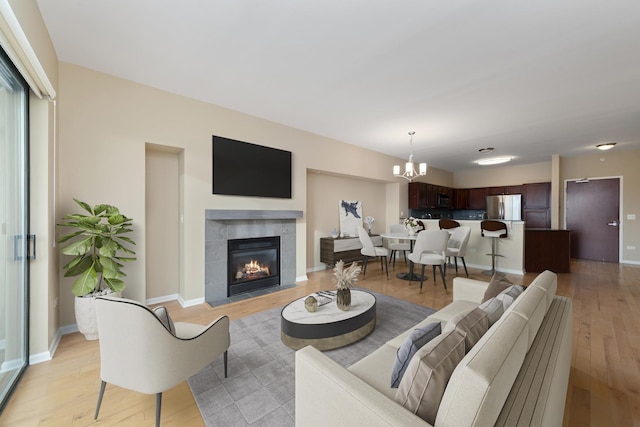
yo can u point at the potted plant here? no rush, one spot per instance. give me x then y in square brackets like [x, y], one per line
[100, 240]
[344, 280]
[411, 224]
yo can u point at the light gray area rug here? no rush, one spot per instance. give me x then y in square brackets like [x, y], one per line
[259, 390]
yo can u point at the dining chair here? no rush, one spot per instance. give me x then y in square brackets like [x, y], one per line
[398, 246]
[457, 246]
[368, 250]
[144, 351]
[429, 249]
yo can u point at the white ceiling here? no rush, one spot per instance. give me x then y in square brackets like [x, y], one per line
[530, 78]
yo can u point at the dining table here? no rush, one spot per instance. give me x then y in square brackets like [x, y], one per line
[409, 275]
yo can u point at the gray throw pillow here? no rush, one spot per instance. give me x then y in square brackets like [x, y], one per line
[163, 315]
[497, 284]
[509, 295]
[494, 309]
[428, 373]
[414, 342]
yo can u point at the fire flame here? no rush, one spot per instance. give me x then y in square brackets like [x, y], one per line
[255, 267]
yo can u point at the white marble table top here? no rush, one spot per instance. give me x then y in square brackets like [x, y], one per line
[295, 312]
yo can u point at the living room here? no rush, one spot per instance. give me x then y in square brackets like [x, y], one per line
[118, 121]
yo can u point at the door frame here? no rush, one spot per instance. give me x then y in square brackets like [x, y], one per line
[621, 213]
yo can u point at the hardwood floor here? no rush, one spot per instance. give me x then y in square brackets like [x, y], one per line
[604, 384]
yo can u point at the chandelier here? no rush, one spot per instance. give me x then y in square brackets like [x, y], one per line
[410, 168]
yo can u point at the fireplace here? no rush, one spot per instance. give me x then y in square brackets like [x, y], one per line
[253, 264]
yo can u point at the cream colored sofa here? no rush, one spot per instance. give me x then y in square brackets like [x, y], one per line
[516, 374]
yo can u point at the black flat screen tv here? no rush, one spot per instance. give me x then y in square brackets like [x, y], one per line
[244, 169]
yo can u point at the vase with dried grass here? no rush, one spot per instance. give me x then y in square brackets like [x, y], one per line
[345, 278]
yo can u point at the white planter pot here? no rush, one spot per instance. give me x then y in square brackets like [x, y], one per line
[86, 315]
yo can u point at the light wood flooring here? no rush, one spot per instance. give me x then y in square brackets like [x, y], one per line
[604, 384]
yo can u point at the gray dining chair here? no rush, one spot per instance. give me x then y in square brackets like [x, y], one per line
[370, 251]
[429, 249]
[457, 246]
[398, 246]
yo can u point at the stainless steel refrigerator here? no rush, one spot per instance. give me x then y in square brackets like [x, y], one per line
[507, 207]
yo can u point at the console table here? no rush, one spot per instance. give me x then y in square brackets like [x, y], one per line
[346, 249]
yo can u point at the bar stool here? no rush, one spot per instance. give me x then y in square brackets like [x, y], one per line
[494, 230]
[448, 224]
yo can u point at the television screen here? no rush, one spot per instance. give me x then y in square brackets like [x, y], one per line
[244, 169]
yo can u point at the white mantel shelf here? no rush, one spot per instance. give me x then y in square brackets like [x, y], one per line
[233, 214]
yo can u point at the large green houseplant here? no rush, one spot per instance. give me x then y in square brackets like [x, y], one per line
[98, 245]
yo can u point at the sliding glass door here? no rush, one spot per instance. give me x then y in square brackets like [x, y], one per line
[13, 227]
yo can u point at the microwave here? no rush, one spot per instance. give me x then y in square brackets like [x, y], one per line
[443, 201]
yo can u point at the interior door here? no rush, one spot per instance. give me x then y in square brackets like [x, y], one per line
[593, 216]
[13, 227]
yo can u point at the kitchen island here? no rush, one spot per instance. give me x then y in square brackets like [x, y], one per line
[511, 247]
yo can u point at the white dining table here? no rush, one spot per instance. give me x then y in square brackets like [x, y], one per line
[409, 275]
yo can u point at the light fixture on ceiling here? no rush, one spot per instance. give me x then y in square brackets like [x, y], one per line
[409, 168]
[486, 150]
[494, 160]
[606, 146]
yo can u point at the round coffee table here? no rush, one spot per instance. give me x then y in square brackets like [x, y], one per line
[328, 327]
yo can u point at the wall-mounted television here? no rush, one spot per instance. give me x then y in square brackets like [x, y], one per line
[244, 169]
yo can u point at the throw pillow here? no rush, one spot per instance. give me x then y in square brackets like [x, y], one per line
[509, 295]
[163, 315]
[497, 284]
[428, 373]
[494, 309]
[471, 324]
[414, 342]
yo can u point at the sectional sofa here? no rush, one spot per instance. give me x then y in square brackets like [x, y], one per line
[515, 373]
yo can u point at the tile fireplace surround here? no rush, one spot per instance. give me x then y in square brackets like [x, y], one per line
[222, 225]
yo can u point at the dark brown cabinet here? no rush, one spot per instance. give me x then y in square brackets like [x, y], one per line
[547, 250]
[495, 191]
[513, 189]
[477, 198]
[417, 195]
[537, 205]
[461, 198]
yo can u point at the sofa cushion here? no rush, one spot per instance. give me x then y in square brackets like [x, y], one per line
[509, 295]
[494, 309]
[163, 315]
[443, 315]
[482, 381]
[471, 324]
[416, 339]
[548, 281]
[497, 284]
[374, 369]
[427, 375]
[532, 305]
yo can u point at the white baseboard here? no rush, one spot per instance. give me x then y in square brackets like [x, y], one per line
[10, 365]
[302, 278]
[624, 261]
[191, 302]
[45, 356]
[318, 268]
[162, 299]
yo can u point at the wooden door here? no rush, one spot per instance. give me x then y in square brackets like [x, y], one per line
[593, 216]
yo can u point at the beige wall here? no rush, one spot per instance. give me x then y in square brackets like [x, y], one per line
[105, 123]
[324, 193]
[162, 222]
[494, 176]
[615, 163]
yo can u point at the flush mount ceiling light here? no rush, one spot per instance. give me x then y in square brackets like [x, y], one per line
[486, 150]
[606, 146]
[409, 168]
[494, 161]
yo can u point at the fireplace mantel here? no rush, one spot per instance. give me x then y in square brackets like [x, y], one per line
[233, 214]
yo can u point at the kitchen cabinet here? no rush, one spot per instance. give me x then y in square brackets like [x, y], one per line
[513, 189]
[477, 198]
[537, 205]
[536, 195]
[417, 195]
[547, 250]
[495, 191]
[432, 195]
[461, 198]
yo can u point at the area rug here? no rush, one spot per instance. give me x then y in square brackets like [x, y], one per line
[259, 390]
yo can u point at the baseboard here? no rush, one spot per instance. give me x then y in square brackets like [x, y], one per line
[45, 356]
[317, 268]
[624, 261]
[162, 299]
[190, 303]
[302, 278]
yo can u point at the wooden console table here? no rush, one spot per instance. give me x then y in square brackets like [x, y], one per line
[346, 249]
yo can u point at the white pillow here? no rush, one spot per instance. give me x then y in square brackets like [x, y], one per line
[509, 295]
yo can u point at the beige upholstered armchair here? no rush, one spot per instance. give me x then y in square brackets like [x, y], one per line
[144, 351]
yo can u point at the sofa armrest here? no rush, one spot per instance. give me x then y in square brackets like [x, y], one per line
[328, 394]
[469, 289]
